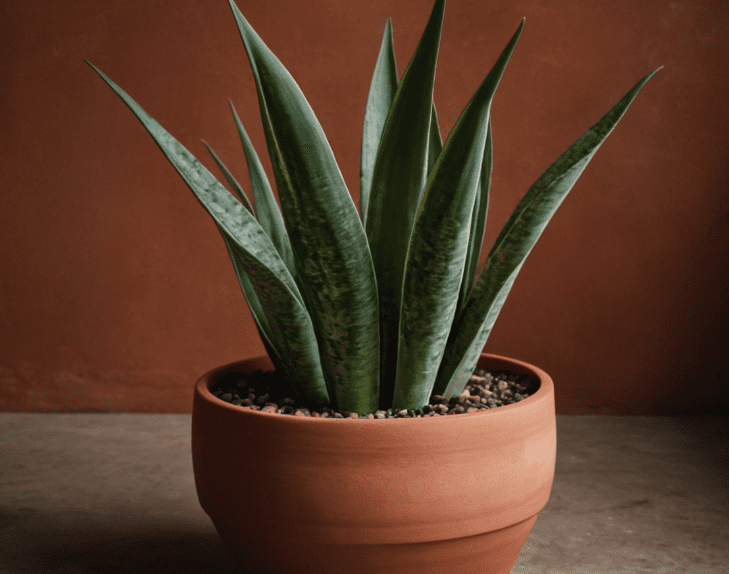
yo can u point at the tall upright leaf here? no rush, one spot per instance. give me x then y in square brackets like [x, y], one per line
[382, 92]
[398, 180]
[437, 252]
[478, 223]
[332, 256]
[379, 100]
[514, 243]
[267, 211]
[289, 322]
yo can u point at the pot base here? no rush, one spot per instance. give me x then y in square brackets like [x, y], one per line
[491, 552]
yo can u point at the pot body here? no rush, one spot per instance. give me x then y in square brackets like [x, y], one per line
[456, 493]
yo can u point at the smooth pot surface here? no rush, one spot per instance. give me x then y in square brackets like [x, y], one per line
[373, 481]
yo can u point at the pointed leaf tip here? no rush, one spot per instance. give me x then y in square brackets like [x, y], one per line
[335, 264]
[514, 244]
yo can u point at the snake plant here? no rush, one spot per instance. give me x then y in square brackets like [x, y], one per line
[384, 307]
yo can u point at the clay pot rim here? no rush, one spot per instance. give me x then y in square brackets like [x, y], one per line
[544, 393]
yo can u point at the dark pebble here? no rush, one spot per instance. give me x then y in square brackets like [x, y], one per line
[262, 391]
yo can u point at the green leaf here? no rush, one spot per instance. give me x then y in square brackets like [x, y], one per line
[259, 315]
[435, 143]
[379, 101]
[254, 304]
[267, 211]
[520, 233]
[478, 223]
[382, 92]
[231, 180]
[437, 253]
[332, 256]
[398, 180]
[291, 328]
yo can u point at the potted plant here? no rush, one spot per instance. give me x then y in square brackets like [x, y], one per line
[374, 323]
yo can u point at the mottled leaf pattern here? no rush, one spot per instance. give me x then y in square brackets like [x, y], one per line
[439, 243]
[512, 246]
[332, 256]
[398, 180]
[381, 308]
[289, 322]
[267, 211]
[231, 180]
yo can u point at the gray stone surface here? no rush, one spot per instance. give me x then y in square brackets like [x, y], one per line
[82, 493]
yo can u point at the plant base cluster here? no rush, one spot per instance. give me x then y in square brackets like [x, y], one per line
[264, 391]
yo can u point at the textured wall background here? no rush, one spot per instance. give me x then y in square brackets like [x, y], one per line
[116, 289]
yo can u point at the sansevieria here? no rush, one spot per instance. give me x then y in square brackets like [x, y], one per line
[385, 306]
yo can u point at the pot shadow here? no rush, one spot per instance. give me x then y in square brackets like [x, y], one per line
[33, 543]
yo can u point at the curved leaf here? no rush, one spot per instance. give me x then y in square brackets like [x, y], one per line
[439, 243]
[257, 312]
[330, 247]
[267, 211]
[231, 180]
[291, 327]
[398, 180]
[512, 246]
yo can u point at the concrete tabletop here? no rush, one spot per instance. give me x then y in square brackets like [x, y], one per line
[82, 493]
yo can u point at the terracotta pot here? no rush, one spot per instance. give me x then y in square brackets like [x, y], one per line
[455, 493]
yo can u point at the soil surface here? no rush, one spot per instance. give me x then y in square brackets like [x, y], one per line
[263, 391]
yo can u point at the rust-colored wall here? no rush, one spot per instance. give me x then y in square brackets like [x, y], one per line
[116, 287]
